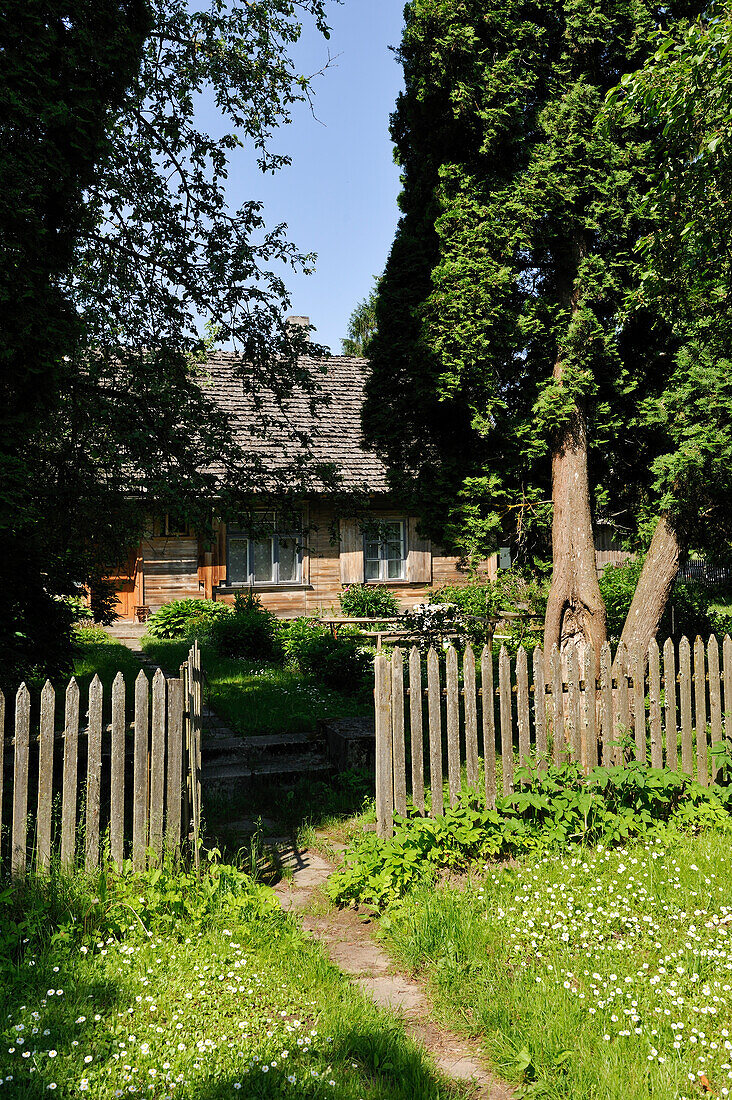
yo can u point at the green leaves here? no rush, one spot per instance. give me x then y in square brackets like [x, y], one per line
[552, 806]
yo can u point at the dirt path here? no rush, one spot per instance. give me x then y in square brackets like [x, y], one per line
[351, 947]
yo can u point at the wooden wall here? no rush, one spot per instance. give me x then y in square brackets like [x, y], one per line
[325, 568]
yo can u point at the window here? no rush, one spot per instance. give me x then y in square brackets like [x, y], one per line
[266, 556]
[167, 525]
[384, 551]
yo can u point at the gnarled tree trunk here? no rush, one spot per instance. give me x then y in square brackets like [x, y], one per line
[575, 614]
[654, 585]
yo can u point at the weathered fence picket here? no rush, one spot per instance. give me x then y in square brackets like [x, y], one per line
[715, 700]
[574, 716]
[670, 700]
[687, 750]
[93, 791]
[415, 728]
[700, 710]
[654, 704]
[453, 726]
[70, 784]
[45, 776]
[435, 727]
[471, 719]
[117, 773]
[20, 783]
[489, 727]
[397, 718]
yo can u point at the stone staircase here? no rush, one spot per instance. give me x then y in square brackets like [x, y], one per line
[230, 762]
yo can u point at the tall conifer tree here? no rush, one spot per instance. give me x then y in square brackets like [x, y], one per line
[510, 387]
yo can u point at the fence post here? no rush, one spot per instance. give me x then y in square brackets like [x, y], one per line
[687, 752]
[415, 727]
[117, 774]
[727, 656]
[175, 786]
[71, 768]
[574, 733]
[471, 719]
[589, 740]
[434, 718]
[654, 698]
[557, 706]
[93, 775]
[715, 700]
[670, 694]
[45, 776]
[622, 664]
[606, 704]
[139, 782]
[384, 765]
[639, 702]
[700, 712]
[397, 735]
[504, 688]
[194, 712]
[157, 766]
[20, 782]
[522, 709]
[489, 726]
[453, 725]
[539, 702]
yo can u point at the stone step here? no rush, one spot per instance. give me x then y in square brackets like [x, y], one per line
[284, 771]
[214, 748]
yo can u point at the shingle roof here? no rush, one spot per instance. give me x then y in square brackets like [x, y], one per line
[332, 427]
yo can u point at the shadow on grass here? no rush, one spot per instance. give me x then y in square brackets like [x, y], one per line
[48, 995]
[269, 810]
[376, 1060]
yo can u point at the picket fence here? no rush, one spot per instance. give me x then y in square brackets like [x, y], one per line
[673, 705]
[80, 793]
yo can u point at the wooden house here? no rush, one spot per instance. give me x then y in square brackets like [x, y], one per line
[297, 562]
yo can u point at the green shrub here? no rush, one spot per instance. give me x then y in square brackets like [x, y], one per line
[296, 634]
[182, 618]
[368, 601]
[693, 610]
[720, 619]
[72, 910]
[338, 662]
[78, 607]
[550, 808]
[250, 631]
[512, 590]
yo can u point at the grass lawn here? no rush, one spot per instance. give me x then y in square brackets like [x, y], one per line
[592, 974]
[240, 1006]
[257, 697]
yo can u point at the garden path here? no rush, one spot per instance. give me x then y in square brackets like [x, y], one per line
[230, 760]
[349, 944]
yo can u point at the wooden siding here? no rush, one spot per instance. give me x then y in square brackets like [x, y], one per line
[321, 571]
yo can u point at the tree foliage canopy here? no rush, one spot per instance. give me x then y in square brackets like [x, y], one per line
[361, 326]
[118, 245]
[524, 201]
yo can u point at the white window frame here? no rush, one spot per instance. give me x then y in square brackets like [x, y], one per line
[384, 558]
[234, 534]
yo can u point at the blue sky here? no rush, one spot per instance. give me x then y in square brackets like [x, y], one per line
[339, 195]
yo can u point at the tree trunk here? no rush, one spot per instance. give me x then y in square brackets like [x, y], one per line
[654, 586]
[575, 614]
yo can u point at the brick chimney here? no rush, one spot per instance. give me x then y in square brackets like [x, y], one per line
[299, 322]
